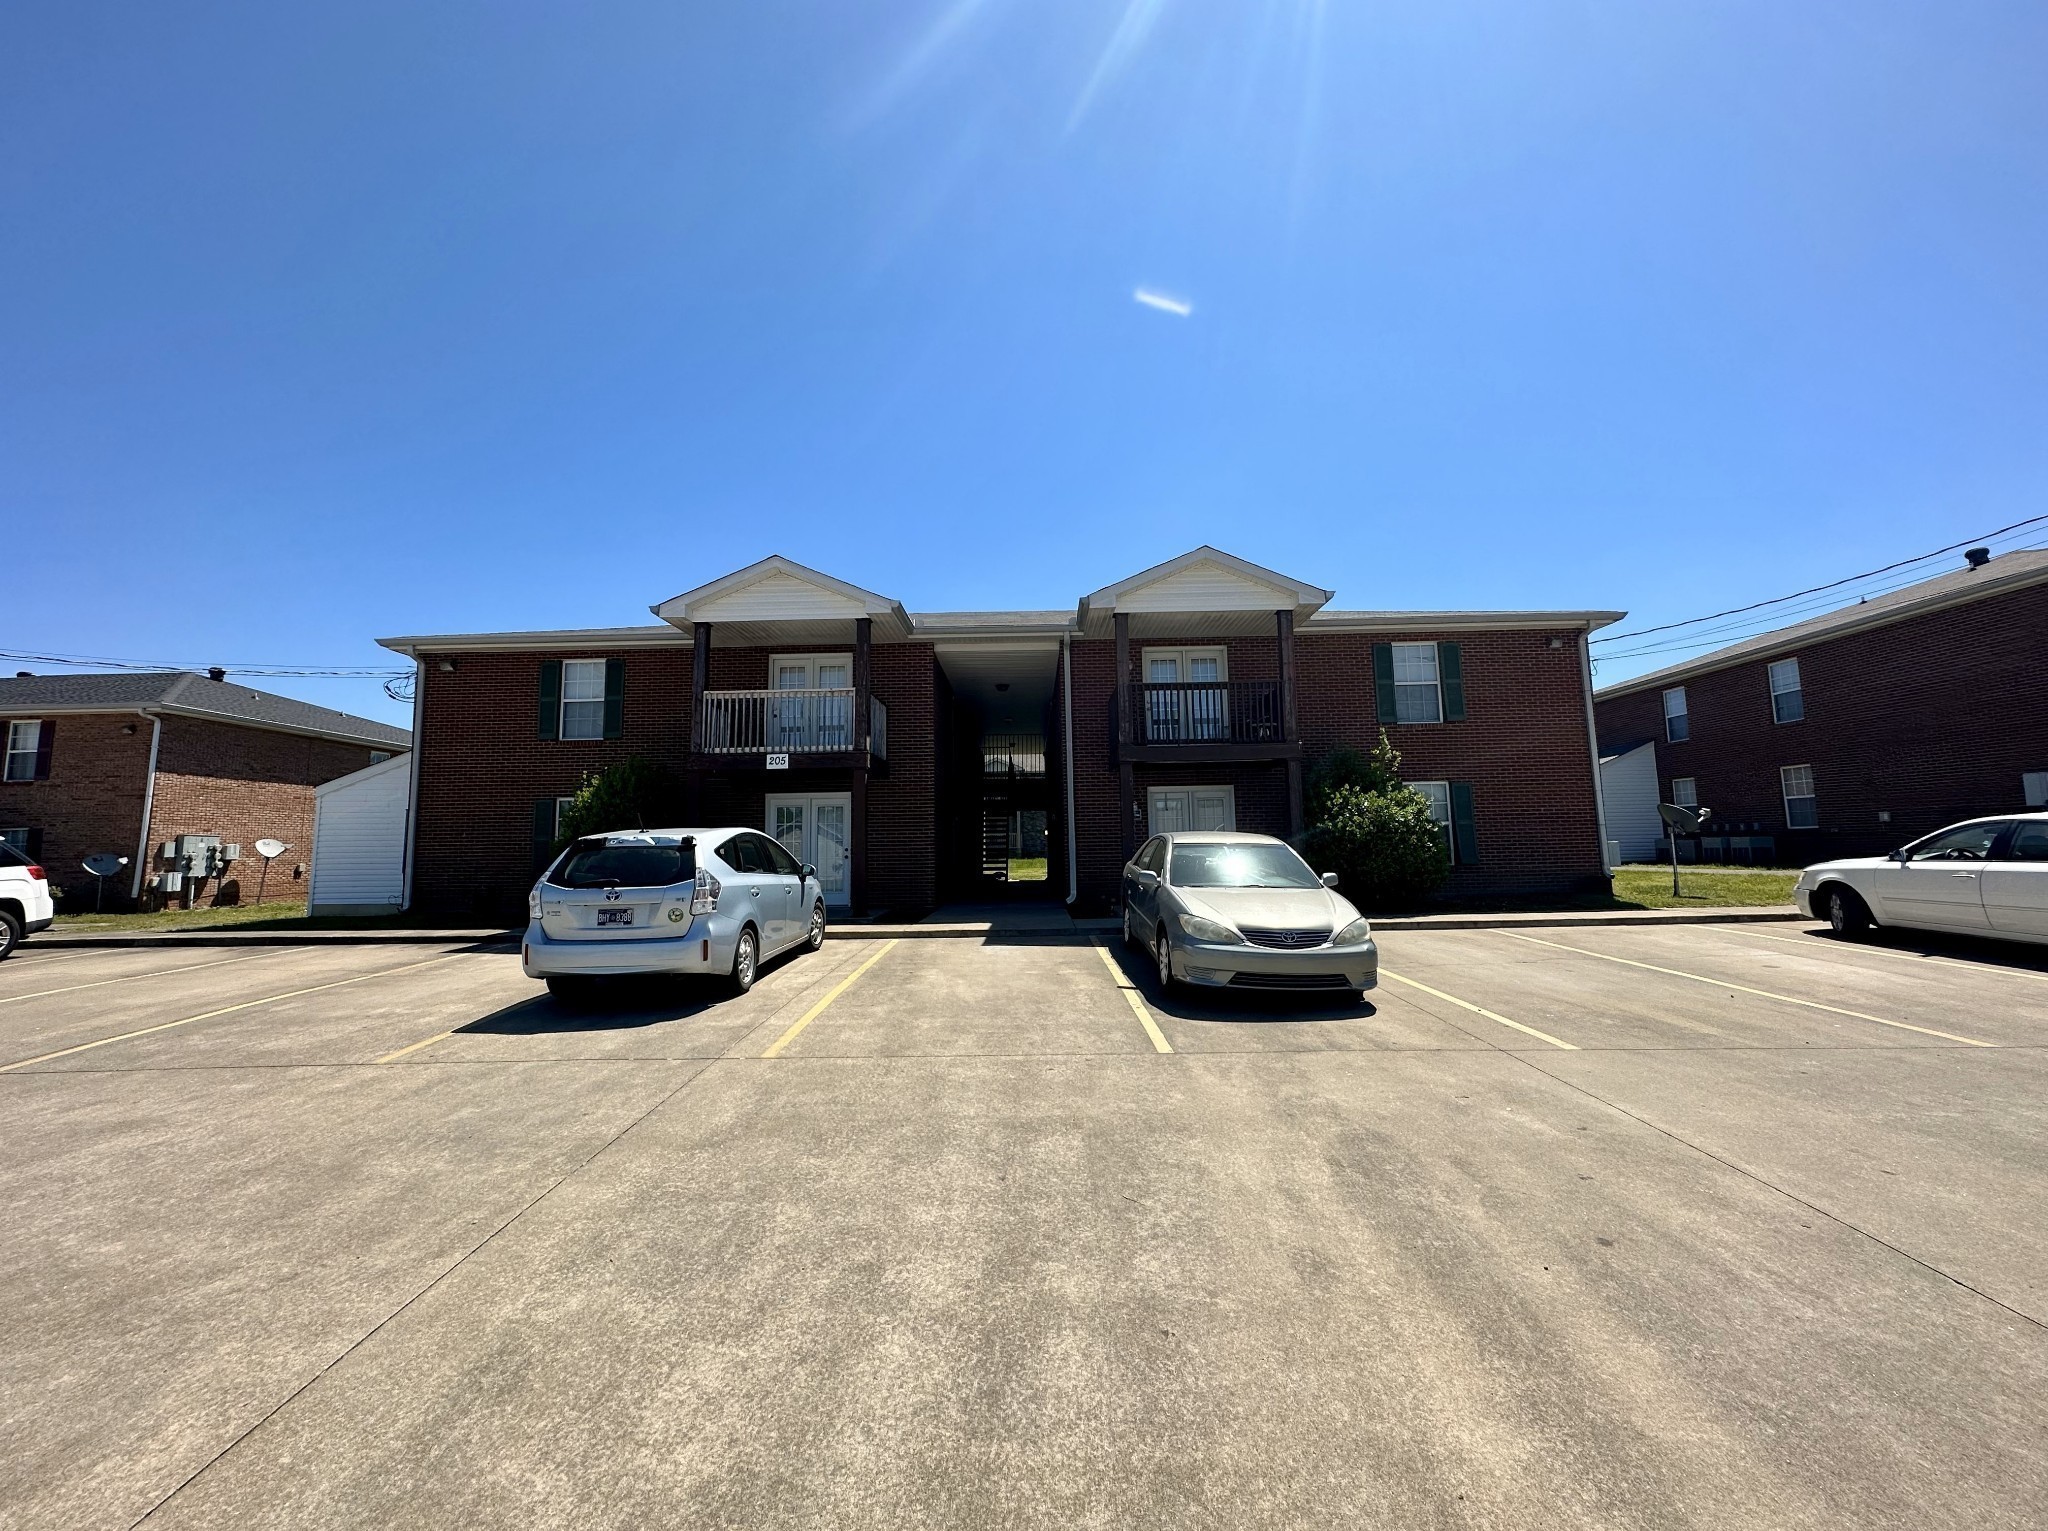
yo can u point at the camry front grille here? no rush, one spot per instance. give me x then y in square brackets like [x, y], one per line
[1285, 940]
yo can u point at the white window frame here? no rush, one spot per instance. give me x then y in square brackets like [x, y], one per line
[2034, 786]
[1229, 795]
[1185, 716]
[582, 668]
[811, 722]
[1685, 792]
[1683, 716]
[1789, 797]
[1439, 795]
[1434, 686]
[1795, 690]
[561, 807]
[16, 750]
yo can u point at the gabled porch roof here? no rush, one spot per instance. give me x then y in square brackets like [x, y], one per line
[780, 601]
[1227, 591]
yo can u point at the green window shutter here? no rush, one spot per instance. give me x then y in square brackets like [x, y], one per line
[34, 848]
[1450, 670]
[46, 739]
[543, 831]
[1383, 680]
[551, 698]
[1464, 829]
[615, 698]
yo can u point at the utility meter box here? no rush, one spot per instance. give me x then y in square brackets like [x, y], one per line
[198, 855]
[170, 882]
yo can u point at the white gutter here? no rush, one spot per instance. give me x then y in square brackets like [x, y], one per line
[412, 783]
[1067, 738]
[156, 734]
[1593, 739]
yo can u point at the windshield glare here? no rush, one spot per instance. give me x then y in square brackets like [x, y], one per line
[1240, 866]
[595, 864]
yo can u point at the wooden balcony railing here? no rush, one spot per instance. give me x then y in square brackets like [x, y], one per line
[1205, 712]
[813, 722]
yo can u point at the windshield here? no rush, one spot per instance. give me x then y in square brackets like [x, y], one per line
[1240, 866]
[595, 864]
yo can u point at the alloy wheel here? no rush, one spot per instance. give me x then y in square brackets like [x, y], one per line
[1165, 962]
[743, 962]
[817, 937]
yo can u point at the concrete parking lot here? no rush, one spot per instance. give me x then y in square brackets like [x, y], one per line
[1698, 1226]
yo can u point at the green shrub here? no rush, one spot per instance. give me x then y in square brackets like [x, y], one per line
[634, 794]
[1374, 832]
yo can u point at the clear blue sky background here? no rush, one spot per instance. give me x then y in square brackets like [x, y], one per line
[324, 322]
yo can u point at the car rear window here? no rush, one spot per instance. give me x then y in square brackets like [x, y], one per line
[10, 857]
[1239, 865]
[596, 864]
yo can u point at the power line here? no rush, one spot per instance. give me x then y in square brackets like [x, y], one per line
[334, 672]
[1732, 611]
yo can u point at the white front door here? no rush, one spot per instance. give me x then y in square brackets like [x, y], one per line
[817, 829]
[1172, 808]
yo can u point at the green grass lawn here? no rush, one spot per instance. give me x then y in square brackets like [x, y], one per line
[1642, 887]
[1027, 869]
[275, 915]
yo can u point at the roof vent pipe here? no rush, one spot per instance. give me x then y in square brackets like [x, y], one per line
[216, 673]
[1976, 558]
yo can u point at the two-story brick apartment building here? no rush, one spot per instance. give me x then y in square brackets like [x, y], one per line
[123, 764]
[1863, 728]
[901, 752]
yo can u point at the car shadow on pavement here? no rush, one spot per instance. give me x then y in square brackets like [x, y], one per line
[1985, 951]
[619, 1004]
[1234, 1006]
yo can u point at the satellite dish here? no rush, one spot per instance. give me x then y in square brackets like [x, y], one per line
[104, 863]
[1686, 821]
[270, 849]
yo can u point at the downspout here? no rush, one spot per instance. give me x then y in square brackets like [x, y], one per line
[156, 734]
[412, 777]
[1067, 748]
[1593, 741]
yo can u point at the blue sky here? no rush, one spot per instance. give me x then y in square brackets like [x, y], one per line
[328, 322]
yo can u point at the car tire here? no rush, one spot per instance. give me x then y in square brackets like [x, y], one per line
[746, 960]
[10, 934]
[1162, 955]
[569, 989]
[1848, 915]
[1130, 936]
[816, 936]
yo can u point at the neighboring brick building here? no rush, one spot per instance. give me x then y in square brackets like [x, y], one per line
[902, 753]
[121, 764]
[1863, 728]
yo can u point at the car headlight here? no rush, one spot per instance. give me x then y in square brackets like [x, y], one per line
[1195, 928]
[1352, 935]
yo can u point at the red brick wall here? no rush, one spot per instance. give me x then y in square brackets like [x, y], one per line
[1931, 719]
[91, 802]
[1523, 746]
[243, 784]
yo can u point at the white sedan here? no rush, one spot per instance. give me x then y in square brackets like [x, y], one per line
[1988, 877]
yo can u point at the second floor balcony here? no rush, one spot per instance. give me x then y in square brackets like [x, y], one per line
[1202, 721]
[818, 724]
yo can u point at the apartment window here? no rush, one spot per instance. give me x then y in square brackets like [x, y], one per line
[1685, 792]
[1677, 723]
[1797, 784]
[24, 740]
[583, 699]
[1439, 795]
[2035, 784]
[1787, 704]
[1418, 696]
[18, 838]
[561, 807]
[1450, 805]
[378, 757]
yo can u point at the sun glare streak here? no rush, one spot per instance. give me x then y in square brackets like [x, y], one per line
[923, 57]
[1128, 38]
[1165, 305]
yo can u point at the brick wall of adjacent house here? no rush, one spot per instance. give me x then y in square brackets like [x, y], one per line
[91, 803]
[483, 766]
[1930, 719]
[1523, 746]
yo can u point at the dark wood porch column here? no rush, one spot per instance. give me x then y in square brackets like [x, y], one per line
[700, 682]
[1290, 725]
[863, 638]
[1124, 701]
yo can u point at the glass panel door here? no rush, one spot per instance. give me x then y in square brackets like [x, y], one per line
[1162, 708]
[829, 815]
[834, 713]
[793, 675]
[1205, 711]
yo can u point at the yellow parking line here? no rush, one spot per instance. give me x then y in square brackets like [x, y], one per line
[1722, 983]
[1466, 1004]
[1822, 944]
[810, 1015]
[439, 1036]
[1137, 1000]
[190, 967]
[144, 1031]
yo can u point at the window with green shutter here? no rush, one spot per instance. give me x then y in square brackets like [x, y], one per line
[1450, 669]
[551, 698]
[615, 698]
[1464, 827]
[1383, 681]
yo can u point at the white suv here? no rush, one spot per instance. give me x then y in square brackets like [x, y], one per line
[25, 905]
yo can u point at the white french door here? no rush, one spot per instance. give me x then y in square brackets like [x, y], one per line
[1197, 808]
[812, 721]
[816, 827]
[1198, 710]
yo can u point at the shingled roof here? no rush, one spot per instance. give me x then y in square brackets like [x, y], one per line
[182, 693]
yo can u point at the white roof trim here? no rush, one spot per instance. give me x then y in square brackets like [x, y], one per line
[1426, 621]
[1304, 598]
[835, 598]
[561, 638]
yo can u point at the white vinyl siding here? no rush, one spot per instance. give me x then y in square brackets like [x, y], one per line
[23, 738]
[359, 839]
[1685, 792]
[1788, 702]
[1801, 809]
[1418, 696]
[1629, 788]
[1677, 721]
[582, 699]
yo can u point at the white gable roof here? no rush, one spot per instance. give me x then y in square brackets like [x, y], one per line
[1205, 580]
[781, 590]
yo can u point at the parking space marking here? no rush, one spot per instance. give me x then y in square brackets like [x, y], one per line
[775, 1048]
[1722, 983]
[1466, 1004]
[191, 967]
[1822, 944]
[439, 1036]
[1137, 1001]
[144, 1031]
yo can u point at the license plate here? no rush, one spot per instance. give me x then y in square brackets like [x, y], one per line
[614, 916]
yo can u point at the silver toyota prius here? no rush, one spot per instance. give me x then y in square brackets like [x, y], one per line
[717, 902]
[1244, 912]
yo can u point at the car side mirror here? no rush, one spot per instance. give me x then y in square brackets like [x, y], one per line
[1329, 879]
[1901, 855]
[1147, 879]
[809, 870]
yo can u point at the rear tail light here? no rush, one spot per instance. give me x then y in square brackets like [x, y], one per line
[38, 874]
[704, 896]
